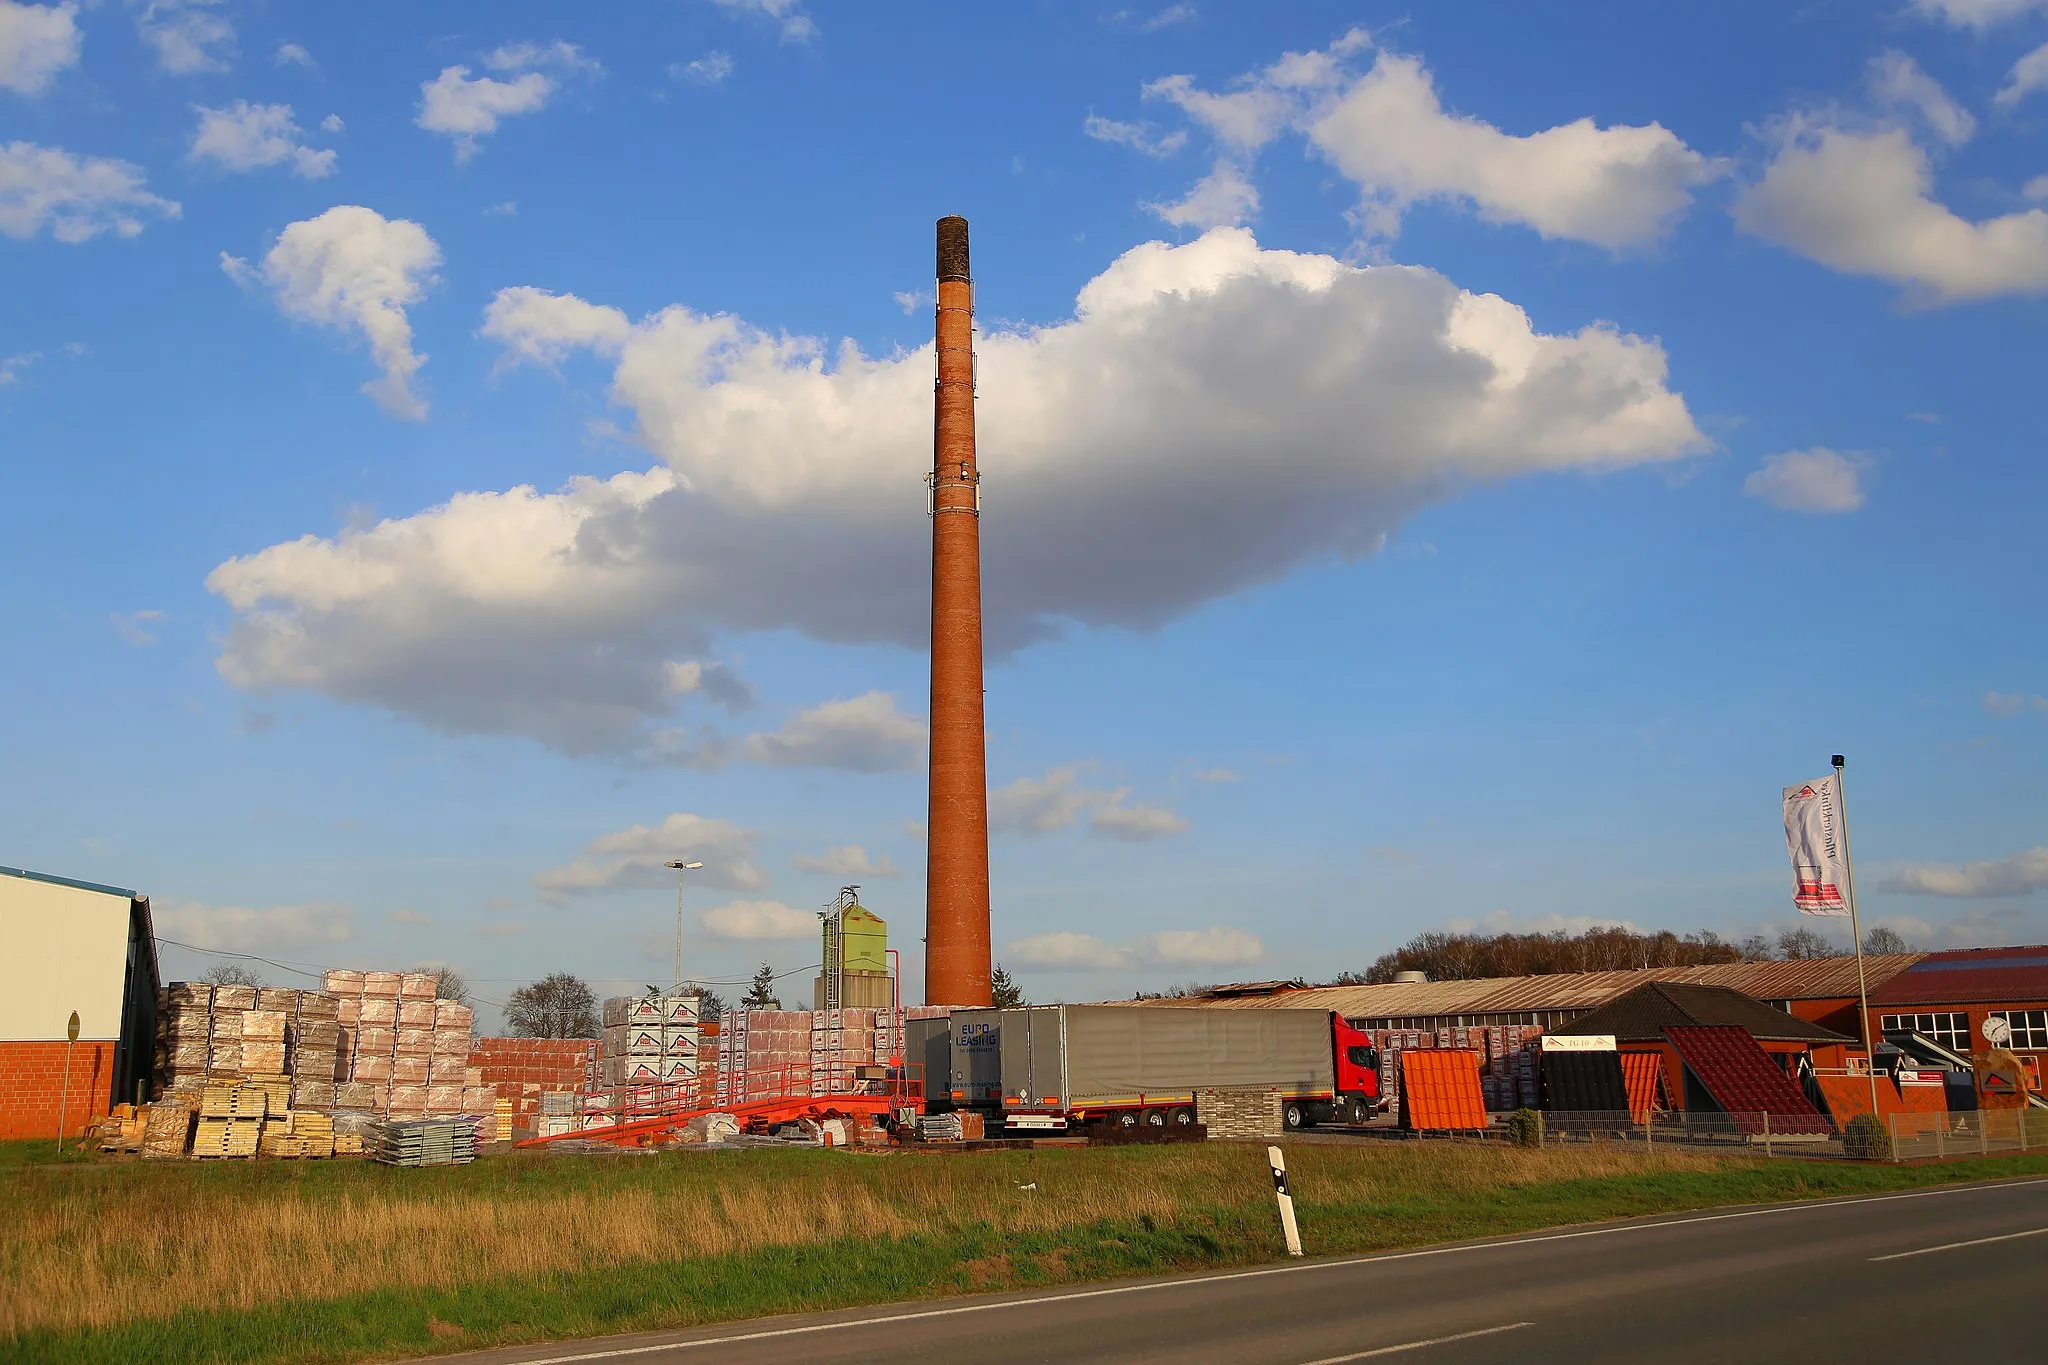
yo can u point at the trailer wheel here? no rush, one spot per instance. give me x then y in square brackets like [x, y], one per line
[1182, 1117]
[1295, 1116]
[1154, 1118]
[1121, 1120]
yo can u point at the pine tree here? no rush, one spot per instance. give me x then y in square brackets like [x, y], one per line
[761, 991]
[1004, 993]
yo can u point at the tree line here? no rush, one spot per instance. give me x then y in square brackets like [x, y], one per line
[1469, 957]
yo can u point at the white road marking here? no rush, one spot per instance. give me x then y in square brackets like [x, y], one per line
[1951, 1246]
[1297, 1268]
[1418, 1345]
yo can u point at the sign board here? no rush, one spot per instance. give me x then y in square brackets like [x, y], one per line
[1583, 1042]
[71, 1029]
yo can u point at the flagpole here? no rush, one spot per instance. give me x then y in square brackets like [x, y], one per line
[1856, 930]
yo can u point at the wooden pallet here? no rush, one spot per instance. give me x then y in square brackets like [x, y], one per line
[221, 1139]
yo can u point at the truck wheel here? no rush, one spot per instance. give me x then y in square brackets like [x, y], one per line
[1181, 1118]
[1295, 1116]
[1154, 1118]
[1122, 1121]
[1361, 1114]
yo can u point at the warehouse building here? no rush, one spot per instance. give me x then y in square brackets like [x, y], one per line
[1946, 996]
[72, 947]
[1949, 998]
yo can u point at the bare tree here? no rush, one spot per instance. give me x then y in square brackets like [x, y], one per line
[231, 974]
[1803, 942]
[1756, 948]
[556, 1006]
[1883, 939]
[1467, 957]
[448, 984]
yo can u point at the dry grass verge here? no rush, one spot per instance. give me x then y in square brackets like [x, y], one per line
[88, 1251]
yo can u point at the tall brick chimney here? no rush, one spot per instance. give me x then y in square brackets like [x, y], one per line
[957, 960]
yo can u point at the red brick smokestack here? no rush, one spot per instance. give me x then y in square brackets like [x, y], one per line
[956, 970]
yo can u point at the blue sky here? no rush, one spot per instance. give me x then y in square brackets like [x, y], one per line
[1442, 468]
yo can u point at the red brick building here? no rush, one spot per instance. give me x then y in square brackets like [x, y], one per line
[1949, 997]
[71, 947]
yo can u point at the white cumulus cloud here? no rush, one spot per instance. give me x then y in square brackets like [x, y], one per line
[357, 271]
[249, 929]
[36, 42]
[1860, 200]
[247, 137]
[1300, 408]
[1896, 81]
[1068, 951]
[1216, 946]
[1139, 137]
[1977, 14]
[190, 37]
[844, 860]
[2020, 875]
[466, 108]
[864, 734]
[75, 197]
[1134, 823]
[788, 16]
[757, 920]
[2029, 73]
[1388, 132]
[1816, 480]
[710, 69]
[1222, 198]
[637, 857]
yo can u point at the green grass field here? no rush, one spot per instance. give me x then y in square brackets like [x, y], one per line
[343, 1260]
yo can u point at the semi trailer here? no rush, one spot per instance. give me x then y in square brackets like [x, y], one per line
[1055, 1067]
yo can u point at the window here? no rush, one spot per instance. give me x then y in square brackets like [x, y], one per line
[1952, 1031]
[2029, 1027]
[1363, 1058]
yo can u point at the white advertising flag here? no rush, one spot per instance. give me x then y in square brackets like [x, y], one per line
[1813, 832]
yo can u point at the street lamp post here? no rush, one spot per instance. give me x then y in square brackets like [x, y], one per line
[681, 867]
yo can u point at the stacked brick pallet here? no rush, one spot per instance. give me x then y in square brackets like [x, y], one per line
[1241, 1114]
[402, 1052]
[1509, 1074]
[521, 1070]
[651, 1040]
[279, 1038]
[763, 1054]
[844, 1039]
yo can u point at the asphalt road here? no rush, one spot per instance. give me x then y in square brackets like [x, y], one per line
[1957, 1275]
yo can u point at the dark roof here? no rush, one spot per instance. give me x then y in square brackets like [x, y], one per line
[1745, 1082]
[67, 881]
[1642, 1015]
[1967, 976]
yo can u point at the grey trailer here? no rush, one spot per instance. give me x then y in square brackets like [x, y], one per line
[1057, 1065]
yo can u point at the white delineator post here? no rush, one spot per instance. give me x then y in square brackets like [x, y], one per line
[1287, 1225]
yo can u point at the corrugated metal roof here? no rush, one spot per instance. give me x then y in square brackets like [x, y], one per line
[1814, 978]
[1970, 976]
[55, 880]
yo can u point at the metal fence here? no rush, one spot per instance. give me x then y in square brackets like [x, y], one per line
[1986, 1132]
[1913, 1136]
[1782, 1134]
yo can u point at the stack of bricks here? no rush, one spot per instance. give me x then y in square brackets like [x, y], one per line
[1241, 1114]
[650, 1040]
[842, 1040]
[401, 1052]
[763, 1054]
[521, 1070]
